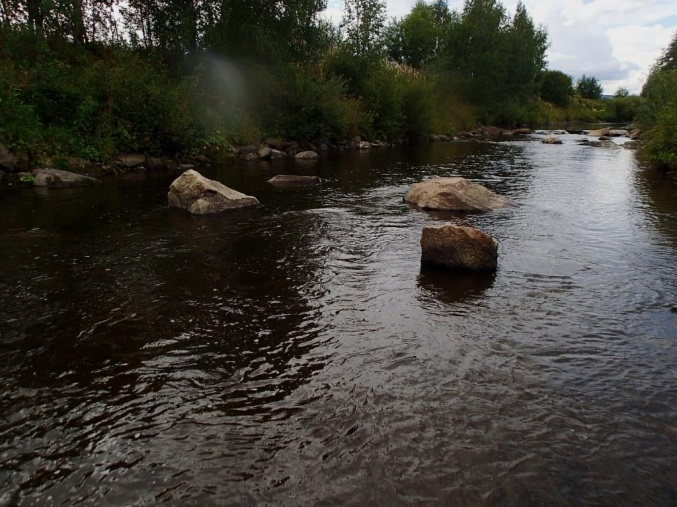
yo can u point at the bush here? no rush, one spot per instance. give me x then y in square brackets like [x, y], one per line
[20, 128]
[299, 103]
[622, 109]
[80, 101]
[556, 87]
[659, 116]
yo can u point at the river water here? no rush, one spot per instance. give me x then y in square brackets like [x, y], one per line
[297, 354]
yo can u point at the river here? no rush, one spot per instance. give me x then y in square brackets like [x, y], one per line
[297, 354]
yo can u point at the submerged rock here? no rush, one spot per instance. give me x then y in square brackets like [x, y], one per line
[551, 140]
[132, 160]
[290, 180]
[307, 155]
[247, 153]
[57, 178]
[201, 196]
[602, 142]
[277, 144]
[458, 248]
[277, 155]
[454, 194]
[265, 153]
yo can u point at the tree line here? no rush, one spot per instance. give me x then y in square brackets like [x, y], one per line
[91, 77]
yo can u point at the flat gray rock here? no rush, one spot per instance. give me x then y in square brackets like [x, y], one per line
[201, 196]
[454, 194]
[56, 178]
[307, 155]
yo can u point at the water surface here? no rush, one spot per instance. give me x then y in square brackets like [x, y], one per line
[298, 354]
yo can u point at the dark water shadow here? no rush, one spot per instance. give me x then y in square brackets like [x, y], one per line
[658, 191]
[452, 286]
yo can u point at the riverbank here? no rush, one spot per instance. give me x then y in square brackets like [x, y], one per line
[281, 153]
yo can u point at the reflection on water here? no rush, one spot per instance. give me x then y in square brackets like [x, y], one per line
[298, 353]
[452, 287]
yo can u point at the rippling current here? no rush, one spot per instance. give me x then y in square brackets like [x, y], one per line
[298, 354]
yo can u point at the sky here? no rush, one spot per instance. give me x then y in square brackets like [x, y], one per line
[616, 41]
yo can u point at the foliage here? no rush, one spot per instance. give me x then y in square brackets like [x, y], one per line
[496, 60]
[658, 114]
[20, 128]
[76, 102]
[668, 60]
[419, 37]
[526, 46]
[659, 117]
[556, 87]
[588, 87]
[269, 29]
[27, 178]
[301, 104]
[622, 108]
[92, 78]
[363, 25]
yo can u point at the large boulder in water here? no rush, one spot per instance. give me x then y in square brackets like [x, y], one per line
[202, 196]
[57, 178]
[454, 194]
[599, 132]
[458, 248]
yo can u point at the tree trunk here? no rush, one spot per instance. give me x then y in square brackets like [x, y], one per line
[36, 15]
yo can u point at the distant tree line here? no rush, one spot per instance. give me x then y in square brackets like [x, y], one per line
[91, 77]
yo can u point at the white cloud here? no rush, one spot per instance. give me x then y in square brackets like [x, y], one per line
[616, 41]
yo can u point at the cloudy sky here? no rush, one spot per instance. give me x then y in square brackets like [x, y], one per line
[616, 41]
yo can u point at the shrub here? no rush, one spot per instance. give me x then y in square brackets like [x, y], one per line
[556, 87]
[622, 108]
[300, 103]
[659, 116]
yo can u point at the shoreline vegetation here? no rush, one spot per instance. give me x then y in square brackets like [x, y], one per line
[181, 82]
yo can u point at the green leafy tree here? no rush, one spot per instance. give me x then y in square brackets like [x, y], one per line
[525, 47]
[474, 50]
[419, 37]
[660, 118]
[589, 88]
[363, 24]
[556, 87]
[668, 60]
[494, 60]
[78, 21]
[658, 115]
